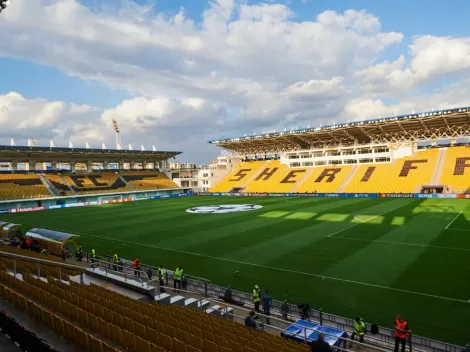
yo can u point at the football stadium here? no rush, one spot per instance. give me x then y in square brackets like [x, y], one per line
[365, 220]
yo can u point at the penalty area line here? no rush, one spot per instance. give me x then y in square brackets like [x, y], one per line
[292, 271]
[363, 221]
[450, 223]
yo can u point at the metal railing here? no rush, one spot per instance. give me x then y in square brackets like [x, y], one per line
[226, 313]
[385, 335]
[59, 265]
[208, 290]
[124, 271]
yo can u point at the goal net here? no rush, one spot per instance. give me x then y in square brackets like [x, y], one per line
[110, 199]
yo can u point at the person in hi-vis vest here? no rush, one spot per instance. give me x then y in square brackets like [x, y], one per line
[177, 276]
[401, 333]
[161, 279]
[359, 329]
[256, 298]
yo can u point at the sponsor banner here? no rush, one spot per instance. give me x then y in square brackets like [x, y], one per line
[51, 207]
[114, 201]
[427, 195]
[447, 196]
[93, 203]
[397, 195]
[363, 195]
[277, 195]
[24, 210]
[463, 196]
[74, 205]
[4, 211]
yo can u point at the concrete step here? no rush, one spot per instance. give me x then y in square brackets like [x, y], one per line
[177, 301]
[163, 298]
[191, 302]
[203, 304]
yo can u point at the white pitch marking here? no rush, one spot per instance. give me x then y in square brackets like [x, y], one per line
[294, 272]
[363, 221]
[404, 243]
[450, 223]
[456, 229]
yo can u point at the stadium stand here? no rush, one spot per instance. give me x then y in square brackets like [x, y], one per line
[97, 319]
[275, 177]
[147, 180]
[405, 175]
[59, 184]
[238, 177]
[22, 186]
[104, 182]
[325, 179]
[456, 171]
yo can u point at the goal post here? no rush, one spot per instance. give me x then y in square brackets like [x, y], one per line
[110, 199]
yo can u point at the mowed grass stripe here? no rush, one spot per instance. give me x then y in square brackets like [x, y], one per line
[191, 223]
[265, 227]
[325, 253]
[283, 243]
[387, 269]
[375, 303]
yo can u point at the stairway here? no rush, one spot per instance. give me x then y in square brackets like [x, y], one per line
[439, 168]
[255, 174]
[45, 181]
[299, 183]
[127, 183]
[347, 179]
[68, 185]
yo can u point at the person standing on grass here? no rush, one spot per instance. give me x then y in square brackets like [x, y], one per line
[267, 300]
[401, 333]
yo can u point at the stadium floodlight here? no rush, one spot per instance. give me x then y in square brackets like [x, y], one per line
[4, 4]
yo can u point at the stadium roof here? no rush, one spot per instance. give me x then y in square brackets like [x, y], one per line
[433, 125]
[8, 153]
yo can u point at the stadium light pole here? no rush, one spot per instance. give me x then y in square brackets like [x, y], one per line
[4, 4]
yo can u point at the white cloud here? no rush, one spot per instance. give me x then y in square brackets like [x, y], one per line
[242, 68]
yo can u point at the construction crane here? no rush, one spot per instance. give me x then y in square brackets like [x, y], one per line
[118, 134]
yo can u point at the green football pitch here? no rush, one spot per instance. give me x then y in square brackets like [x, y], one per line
[352, 256]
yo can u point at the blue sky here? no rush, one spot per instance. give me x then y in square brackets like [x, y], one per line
[230, 76]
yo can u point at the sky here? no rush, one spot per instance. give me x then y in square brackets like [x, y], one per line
[176, 74]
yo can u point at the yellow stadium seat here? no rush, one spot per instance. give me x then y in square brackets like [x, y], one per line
[456, 170]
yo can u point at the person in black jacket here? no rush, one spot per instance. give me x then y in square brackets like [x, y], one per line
[320, 345]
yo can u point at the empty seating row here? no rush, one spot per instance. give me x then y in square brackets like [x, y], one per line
[456, 170]
[404, 175]
[148, 180]
[104, 182]
[22, 186]
[139, 326]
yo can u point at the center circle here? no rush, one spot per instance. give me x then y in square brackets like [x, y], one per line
[223, 209]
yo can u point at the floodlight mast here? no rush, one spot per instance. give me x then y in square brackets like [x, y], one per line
[118, 134]
[4, 4]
